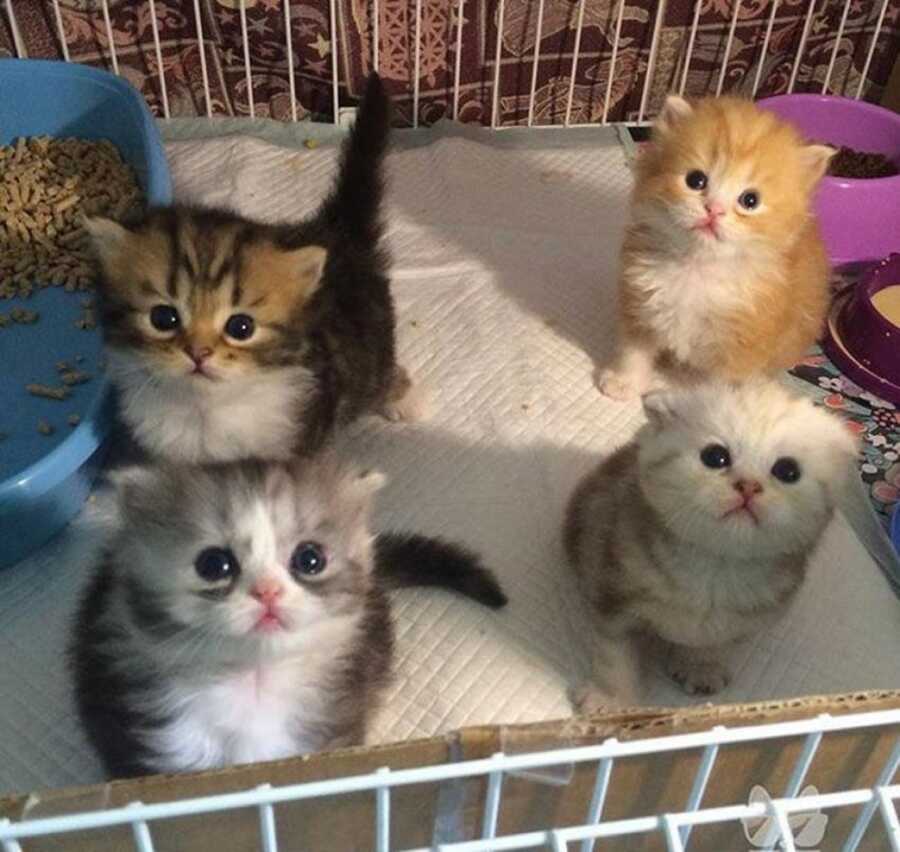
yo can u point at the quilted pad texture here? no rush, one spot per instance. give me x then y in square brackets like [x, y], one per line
[504, 277]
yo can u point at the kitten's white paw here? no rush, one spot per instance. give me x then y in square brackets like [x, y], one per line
[699, 678]
[617, 385]
[405, 401]
[412, 406]
[589, 700]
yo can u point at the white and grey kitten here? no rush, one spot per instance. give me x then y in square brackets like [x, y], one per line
[701, 529]
[240, 615]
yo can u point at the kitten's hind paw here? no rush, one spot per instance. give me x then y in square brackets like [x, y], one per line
[589, 700]
[705, 677]
[405, 401]
[617, 385]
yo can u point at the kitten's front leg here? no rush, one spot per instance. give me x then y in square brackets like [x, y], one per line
[698, 671]
[632, 374]
[615, 670]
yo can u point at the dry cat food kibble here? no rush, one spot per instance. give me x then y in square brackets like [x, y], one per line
[44, 427]
[47, 186]
[850, 163]
[74, 377]
[47, 391]
[73, 419]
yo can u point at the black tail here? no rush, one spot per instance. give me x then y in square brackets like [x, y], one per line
[416, 560]
[354, 205]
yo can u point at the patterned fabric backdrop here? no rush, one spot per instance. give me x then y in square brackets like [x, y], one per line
[87, 39]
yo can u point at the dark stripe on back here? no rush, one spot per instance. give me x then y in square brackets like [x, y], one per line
[236, 263]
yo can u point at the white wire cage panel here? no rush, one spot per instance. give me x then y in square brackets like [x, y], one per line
[789, 818]
[503, 63]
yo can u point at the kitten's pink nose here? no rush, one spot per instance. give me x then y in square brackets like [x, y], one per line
[198, 354]
[714, 209]
[748, 488]
[267, 590]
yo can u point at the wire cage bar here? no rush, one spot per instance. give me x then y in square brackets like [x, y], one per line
[558, 69]
[675, 828]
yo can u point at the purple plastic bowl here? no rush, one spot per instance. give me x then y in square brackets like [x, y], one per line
[860, 218]
[862, 342]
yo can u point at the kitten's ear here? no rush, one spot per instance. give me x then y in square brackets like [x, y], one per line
[109, 238]
[292, 275]
[840, 439]
[674, 110]
[661, 407]
[816, 159]
[368, 482]
[134, 486]
[309, 263]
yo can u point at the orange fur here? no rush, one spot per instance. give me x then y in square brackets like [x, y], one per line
[749, 298]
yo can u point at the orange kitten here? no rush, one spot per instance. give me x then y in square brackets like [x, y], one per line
[723, 269]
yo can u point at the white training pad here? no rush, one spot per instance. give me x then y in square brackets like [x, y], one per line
[504, 277]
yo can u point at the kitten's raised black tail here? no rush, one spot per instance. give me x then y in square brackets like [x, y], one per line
[354, 206]
[416, 560]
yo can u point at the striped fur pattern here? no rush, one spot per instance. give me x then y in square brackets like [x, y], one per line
[178, 670]
[231, 339]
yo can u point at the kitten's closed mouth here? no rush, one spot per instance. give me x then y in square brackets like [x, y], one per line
[201, 373]
[742, 507]
[269, 622]
[708, 226]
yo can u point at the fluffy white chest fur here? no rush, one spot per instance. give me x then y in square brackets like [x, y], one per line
[237, 719]
[713, 600]
[267, 712]
[685, 296]
[198, 421]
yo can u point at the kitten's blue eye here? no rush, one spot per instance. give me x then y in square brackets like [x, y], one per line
[308, 559]
[696, 179]
[715, 456]
[215, 564]
[164, 318]
[786, 469]
[749, 199]
[240, 326]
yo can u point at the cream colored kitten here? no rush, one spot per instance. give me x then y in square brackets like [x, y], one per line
[700, 531]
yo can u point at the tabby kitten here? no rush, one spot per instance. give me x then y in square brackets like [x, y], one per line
[699, 532]
[230, 339]
[250, 624]
[724, 274]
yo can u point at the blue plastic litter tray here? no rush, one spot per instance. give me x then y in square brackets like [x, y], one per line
[45, 479]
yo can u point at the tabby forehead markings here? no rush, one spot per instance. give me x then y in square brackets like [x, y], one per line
[318, 349]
